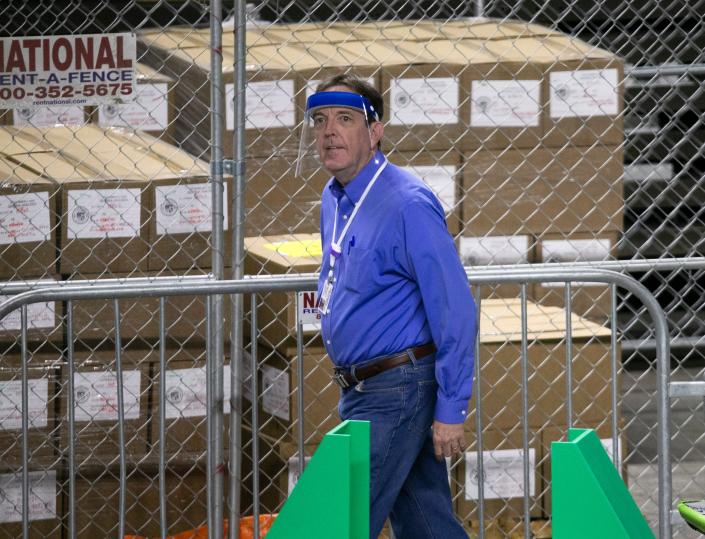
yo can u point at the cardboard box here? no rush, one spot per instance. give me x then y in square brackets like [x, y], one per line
[422, 99]
[152, 110]
[96, 426]
[279, 382]
[185, 401]
[44, 319]
[279, 202]
[276, 311]
[44, 504]
[584, 97]
[185, 316]
[28, 218]
[499, 369]
[591, 300]
[97, 507]
[498, 250]
[503, 475]
[43, 371]
[543, 191]
[559, 433]
[442, 172]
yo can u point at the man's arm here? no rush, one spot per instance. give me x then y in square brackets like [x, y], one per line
[451, 313]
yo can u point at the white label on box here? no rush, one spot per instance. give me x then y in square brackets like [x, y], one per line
[184, 209]
[11, 403]
[608, 447]
[588, 92]
[441, 179]
[24, 218]
[308, 316]
[503, 474]
[39, 316]
[42, 496]
[275, 392]
[269, 104]
[293, 477]
[426, 101]
[186, 392]
[494, 250]
[584, 250]
[149, 111]
[505, 103]
[96, 396]
[104, 213]
[48, 116]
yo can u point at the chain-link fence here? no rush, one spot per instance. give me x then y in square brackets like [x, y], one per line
[551, 132]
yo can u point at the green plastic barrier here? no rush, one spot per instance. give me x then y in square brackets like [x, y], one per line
[693, 512]
[589, 498]
[332, 496]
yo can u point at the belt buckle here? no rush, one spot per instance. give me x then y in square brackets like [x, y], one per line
[339, 378]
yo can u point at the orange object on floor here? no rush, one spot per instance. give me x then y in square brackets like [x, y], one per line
[246, 529]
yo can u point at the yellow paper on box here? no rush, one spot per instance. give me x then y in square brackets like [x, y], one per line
[297, 248]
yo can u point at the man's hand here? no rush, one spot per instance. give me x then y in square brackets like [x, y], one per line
[448, 439]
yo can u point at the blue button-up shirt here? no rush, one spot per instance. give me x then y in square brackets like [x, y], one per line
[399, 281]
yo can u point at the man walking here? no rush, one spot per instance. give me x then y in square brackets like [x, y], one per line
[398, 318]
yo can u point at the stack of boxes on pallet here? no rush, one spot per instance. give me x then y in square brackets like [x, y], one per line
[79, 204]
[495, 116]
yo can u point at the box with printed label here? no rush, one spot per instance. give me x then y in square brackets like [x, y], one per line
[43, 319]
[28, 216]
[498, 251]
[503, 87]
[185, 316]
[584, 96]
[280, 393]
[97, 408]
[499, 370]
[271, 119]
[44, 509]
[542, 191]
[559, 433]
[442, 172]
[276, 311]
[106, 196]
[98, 494]
[185, 405]
[503, 462]
[422, 98]
[43, 371]
[152, 110]
[591, 300]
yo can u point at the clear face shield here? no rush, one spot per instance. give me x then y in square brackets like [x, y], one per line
[308, 158]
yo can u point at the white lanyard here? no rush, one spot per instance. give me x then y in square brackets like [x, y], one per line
[335, 245]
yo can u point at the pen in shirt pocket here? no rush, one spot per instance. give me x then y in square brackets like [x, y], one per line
[351, 243]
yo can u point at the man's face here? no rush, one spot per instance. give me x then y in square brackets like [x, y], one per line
[344, 141]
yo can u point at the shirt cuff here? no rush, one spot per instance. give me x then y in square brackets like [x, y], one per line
[451, 412]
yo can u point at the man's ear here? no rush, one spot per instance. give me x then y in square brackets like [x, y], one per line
[376, 133]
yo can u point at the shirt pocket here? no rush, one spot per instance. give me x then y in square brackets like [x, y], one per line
[359, 270]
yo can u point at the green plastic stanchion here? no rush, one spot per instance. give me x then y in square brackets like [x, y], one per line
[332, 496]
[589, 498]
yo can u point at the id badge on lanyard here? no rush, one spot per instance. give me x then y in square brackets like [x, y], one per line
[335, 245]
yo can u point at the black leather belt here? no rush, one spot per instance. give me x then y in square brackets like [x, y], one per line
[345, 377]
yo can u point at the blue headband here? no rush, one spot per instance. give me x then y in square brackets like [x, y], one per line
[341, 99]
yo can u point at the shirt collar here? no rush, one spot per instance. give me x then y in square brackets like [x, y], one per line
[357, 185]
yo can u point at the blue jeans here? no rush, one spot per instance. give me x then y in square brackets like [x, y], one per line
[407, 483]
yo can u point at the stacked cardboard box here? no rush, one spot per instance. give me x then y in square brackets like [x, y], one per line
[499, 371]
